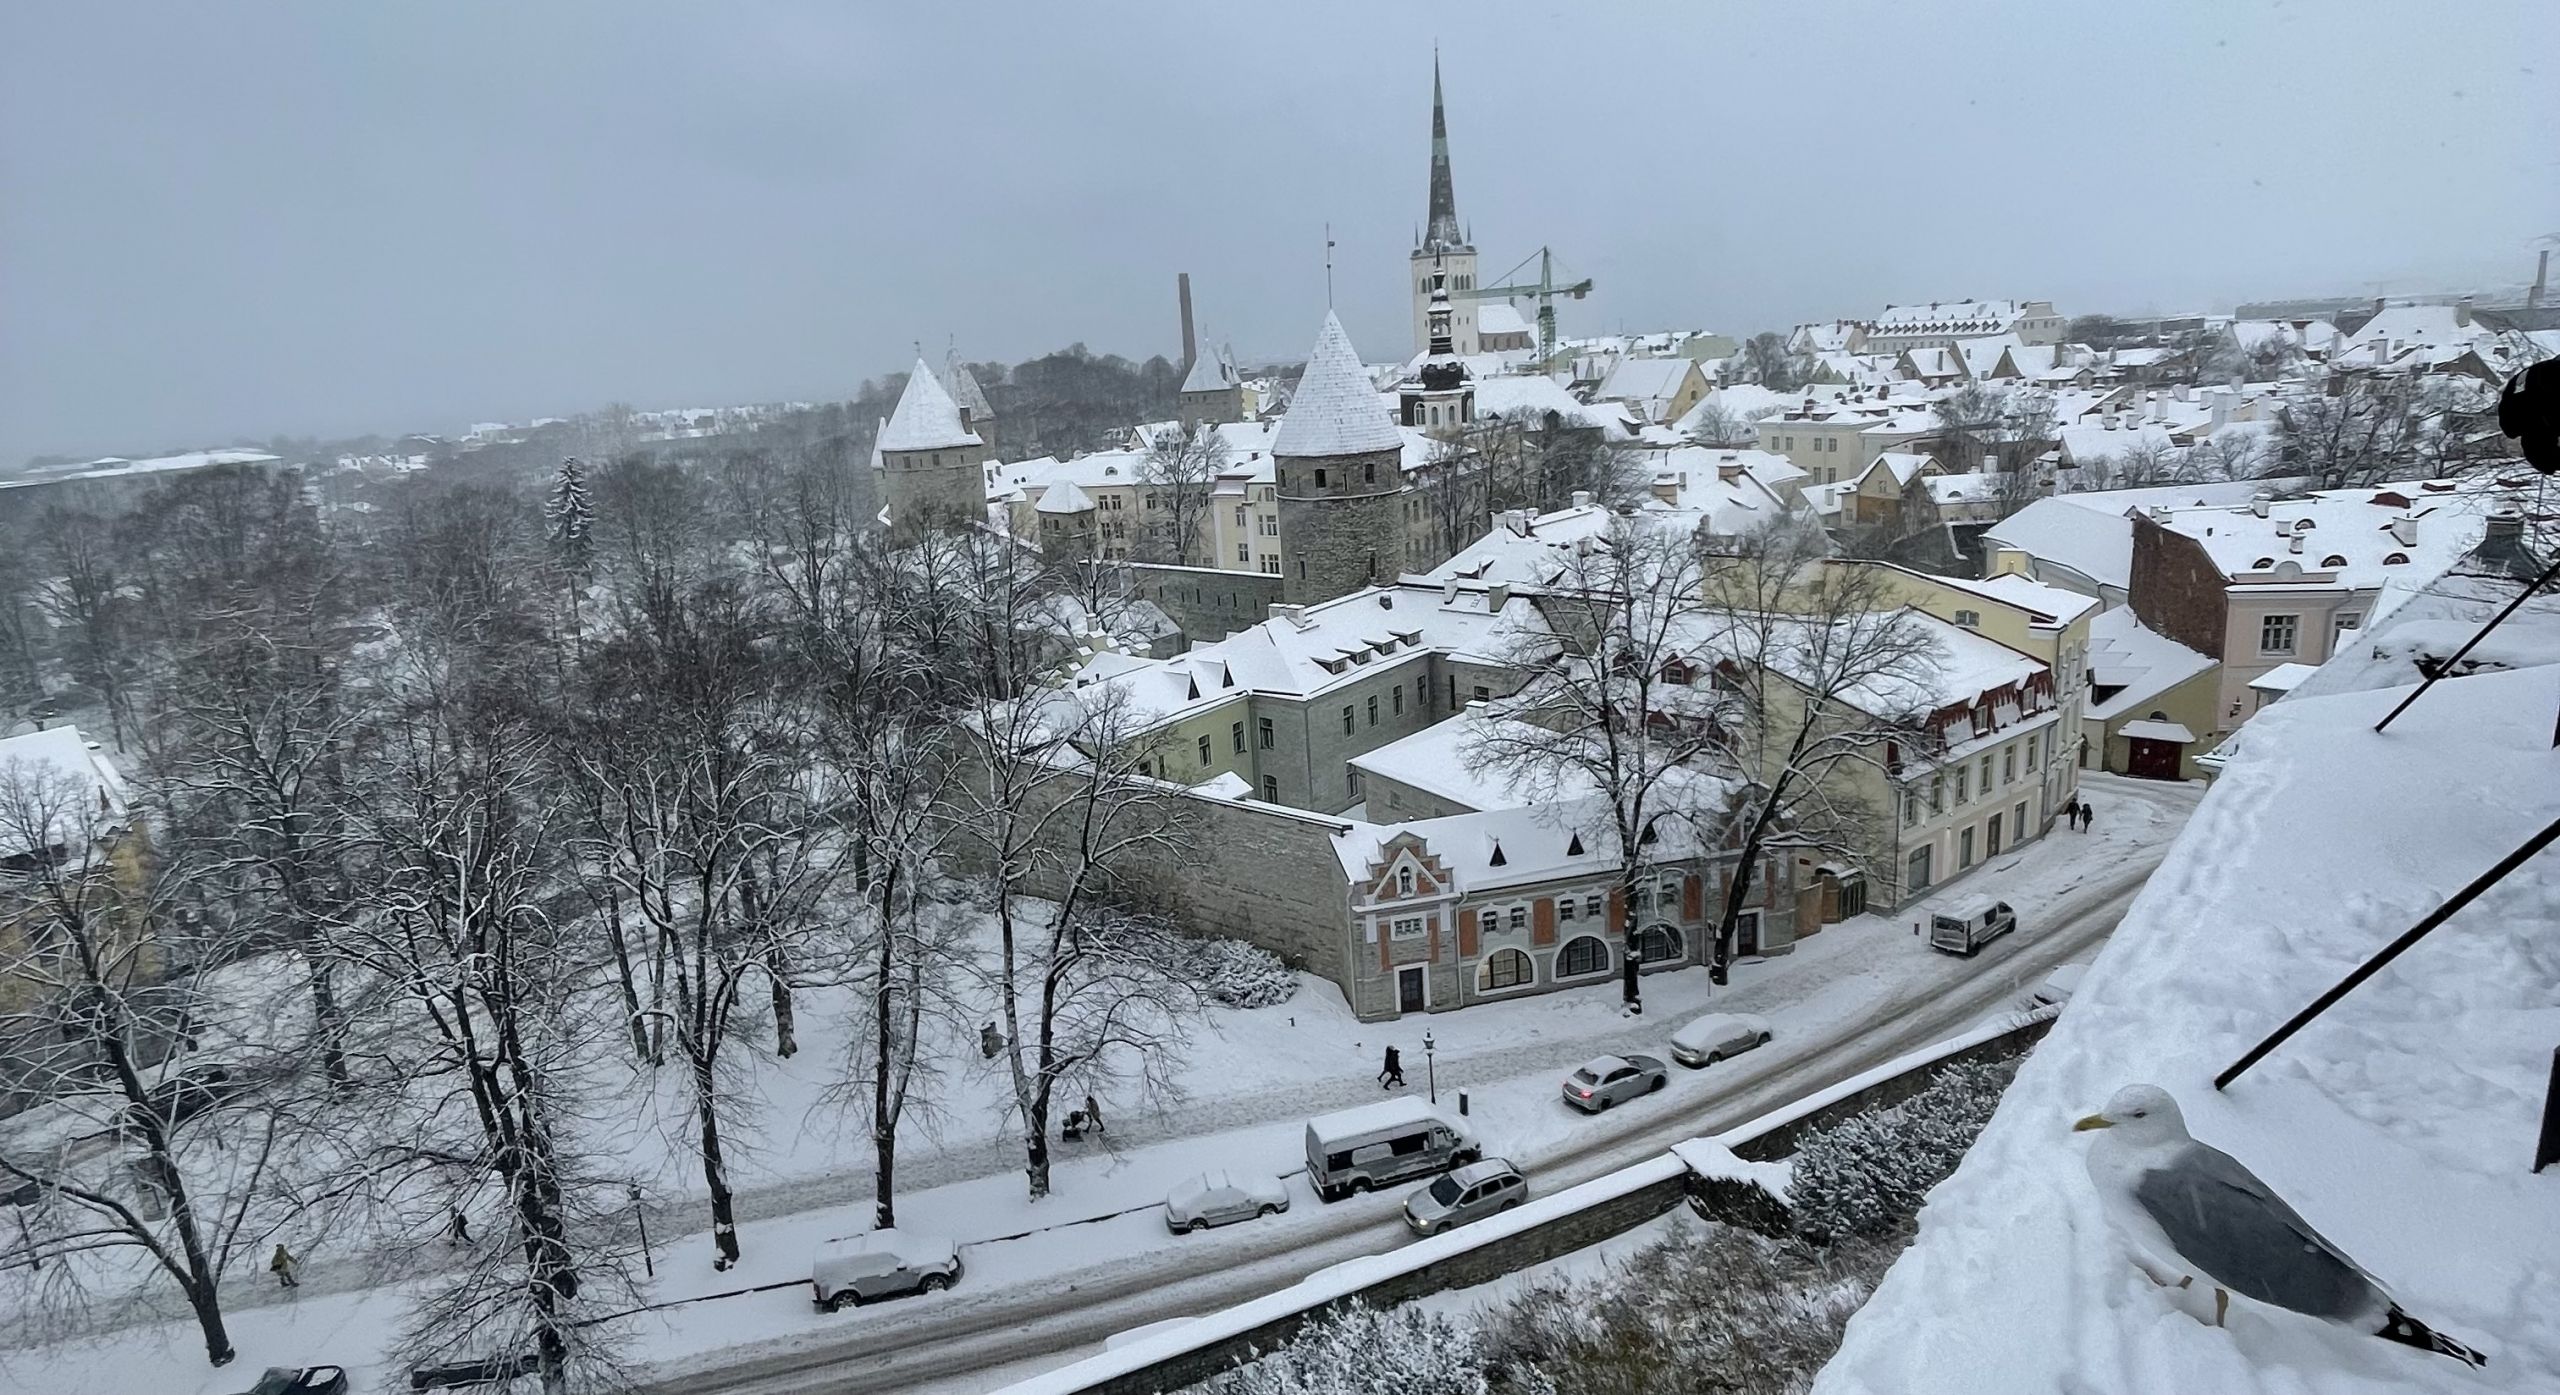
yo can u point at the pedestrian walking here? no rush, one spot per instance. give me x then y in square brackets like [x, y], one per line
[1093, 1115]
[283, 1267]
[2087, 816]
[1393, 1074]
[2071, 813]
[457, 1231]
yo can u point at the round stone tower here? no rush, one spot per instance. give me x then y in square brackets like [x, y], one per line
[932, 465]
[1338, 459]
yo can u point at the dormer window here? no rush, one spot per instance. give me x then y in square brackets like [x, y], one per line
[2333, 560]
[2262, 564]
[2396, 559]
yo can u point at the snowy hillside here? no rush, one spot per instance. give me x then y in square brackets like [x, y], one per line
[2401, 1123]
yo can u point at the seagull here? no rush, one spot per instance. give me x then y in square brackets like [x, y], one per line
[2188, 1209]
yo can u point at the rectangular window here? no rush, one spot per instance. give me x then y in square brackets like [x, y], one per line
[1960, 784]
[1406, 928]
[1270, 789]
[1347, 713]
[1262, 732]
[1986, 777]
[2277, 633]
[1591, 906]
[1964, 849]
[1484, 694]
[2008, 764]
[1244, 552]
[1564, 908]
[1319, 479]
[1204, 750]
[1236, 732]
[1271, 565]
[1910, 808]
[2031, 752]
[1373, 709]
[1239, 515]
[1519, 917]
[1421, 693]
[1399, 702]
[1937, 794]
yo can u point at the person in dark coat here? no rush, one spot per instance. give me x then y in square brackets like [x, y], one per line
[2071, 812]
[1393, 1073]
[283, 1267]
[2087, 816]
[1093, 1114]
[458, 1230]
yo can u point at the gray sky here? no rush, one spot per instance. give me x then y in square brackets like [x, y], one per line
[252, 218]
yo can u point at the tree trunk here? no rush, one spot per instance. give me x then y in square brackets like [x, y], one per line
[886, 1099]
[332, 1022]
[715, 1172]
[627, 981]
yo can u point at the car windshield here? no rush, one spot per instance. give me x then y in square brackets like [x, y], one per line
[1584, 1075]
[1445, 1191]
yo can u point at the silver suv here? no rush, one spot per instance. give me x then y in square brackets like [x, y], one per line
[1471, 1193]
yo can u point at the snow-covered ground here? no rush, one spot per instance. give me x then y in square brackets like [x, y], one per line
[1254, 1078]
[2401, 1123]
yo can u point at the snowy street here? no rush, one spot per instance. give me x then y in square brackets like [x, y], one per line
[1046, 1281]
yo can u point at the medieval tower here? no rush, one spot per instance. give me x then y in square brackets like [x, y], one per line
[1339, 461]
[1443, 246]
[932, 464]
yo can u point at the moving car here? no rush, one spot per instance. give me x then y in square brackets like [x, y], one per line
[301, 1380]
[1717, 1035]
[1471, 1193]
[1220, 1198]
[1965, 926]
[881, 1264]
[2059, 985]
[1352, 1150]
[1603, 1081]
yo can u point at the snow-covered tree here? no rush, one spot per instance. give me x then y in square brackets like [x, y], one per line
[569, 517]
[1869, 1172]
[1181, 469]
[1359, 1349]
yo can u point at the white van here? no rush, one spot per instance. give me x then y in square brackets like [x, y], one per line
[1964, 927]
[1353, 1150]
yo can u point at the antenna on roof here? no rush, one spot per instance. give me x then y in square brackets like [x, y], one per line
[1328, 266]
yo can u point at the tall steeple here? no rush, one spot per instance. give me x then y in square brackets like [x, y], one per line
[1442, 233]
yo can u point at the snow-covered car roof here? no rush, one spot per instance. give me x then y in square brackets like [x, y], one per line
[1599, 1066]
[1716, 1025]
[909, 1248]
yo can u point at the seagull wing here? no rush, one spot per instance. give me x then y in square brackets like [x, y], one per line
[2238, 1232]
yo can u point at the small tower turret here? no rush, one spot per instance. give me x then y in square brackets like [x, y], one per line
[1339, 461]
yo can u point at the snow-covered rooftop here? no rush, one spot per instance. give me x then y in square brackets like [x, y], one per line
[1210, 373]
[1336, 410]
[1064, 496]
[2093, 542]
[1435, 761]
[2141, 663]
[117, 467]
[2361, 539]
[71, 783]
[2400, 1122]
[925, 418]
[2053, 605]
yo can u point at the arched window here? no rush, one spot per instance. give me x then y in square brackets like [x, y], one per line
[1583, 954]
[1658, 943]
[1404, 881]
[1507, 968]
[2333, 560]
[2396, 559]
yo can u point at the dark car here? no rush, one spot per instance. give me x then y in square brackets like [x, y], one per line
[186, 1094]
[301, 1380]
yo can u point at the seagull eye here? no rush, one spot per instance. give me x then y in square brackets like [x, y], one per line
[2142, 1113]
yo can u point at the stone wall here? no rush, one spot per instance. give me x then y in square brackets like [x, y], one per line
[2177, 591]
[1207, 602]
[1345, 533]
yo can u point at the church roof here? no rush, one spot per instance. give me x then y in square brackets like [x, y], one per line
[1211, 374]
[925, 418]
[965, 390]
[1442, 234]
[1337, 410]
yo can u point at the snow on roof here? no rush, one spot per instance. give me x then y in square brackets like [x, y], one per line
[2093, 542]
[2147, 730]
[1499, 317]
[1064, 497]
[965, 390]
[1749, 401]
[73, 783]
[2283, 678]
[1535, 394]
[2140, 662]
[2054, 605]
[1904, 466]
[1948, 317]
[1646, 379]
[2398, 1123]
[116, 467]
[2356, 539]
[1320, 646]
[2085, 443]
[925, 418]
[1337, 410]
[1381, 1114]
[1435, 761]
[1211, 373]
[1535, 842]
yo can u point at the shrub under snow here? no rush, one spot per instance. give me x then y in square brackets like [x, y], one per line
[1364, 1351]
[1868, 1173]
[1237, 974]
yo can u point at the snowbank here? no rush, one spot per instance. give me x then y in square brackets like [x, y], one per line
[2401, 1123]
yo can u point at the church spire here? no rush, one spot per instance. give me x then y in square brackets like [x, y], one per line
[1441, 234]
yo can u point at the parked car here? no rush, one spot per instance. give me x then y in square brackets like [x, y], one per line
[881, 1264]
[1221, 1198]
[1352, 1150]
[2059, 985]
[1717, 1035]
[301, 1380]
[1471, 1193]
[185, 1094]
[1603, 1081]
[1965, 926]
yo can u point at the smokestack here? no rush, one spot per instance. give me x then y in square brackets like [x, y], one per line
[2541, 280]
[1190, 340]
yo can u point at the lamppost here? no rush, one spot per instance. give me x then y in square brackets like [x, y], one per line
[1431, 1074]
[647, 1262]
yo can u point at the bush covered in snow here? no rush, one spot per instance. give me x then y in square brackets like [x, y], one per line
[1359, 1350]
[1868, 1173]
[1715, 1309]
[1237, 974]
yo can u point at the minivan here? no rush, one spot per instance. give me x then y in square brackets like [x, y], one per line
[1964, 927]
[1353, 1150]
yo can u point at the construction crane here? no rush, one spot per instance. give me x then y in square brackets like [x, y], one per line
[1544, 288]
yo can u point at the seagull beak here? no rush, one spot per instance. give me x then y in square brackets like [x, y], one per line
[2094, 1121]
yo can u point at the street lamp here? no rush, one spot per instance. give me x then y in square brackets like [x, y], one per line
[1431, 1075]
[646, 1261]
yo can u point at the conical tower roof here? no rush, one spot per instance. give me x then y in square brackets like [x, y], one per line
[925, 418]
[1441, 234]
[1211, 373]
[1336, 411]
[965, 390]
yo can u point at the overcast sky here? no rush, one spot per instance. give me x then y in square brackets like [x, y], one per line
[243, 219]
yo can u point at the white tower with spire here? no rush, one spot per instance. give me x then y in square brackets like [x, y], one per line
[1443, 246]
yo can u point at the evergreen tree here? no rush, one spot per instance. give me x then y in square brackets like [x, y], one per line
[570, 518]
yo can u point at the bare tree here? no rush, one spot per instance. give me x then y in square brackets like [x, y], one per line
[132, 1156]
[1716, 424]
[1764, 360]
[1181, 471]
[86, 596]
